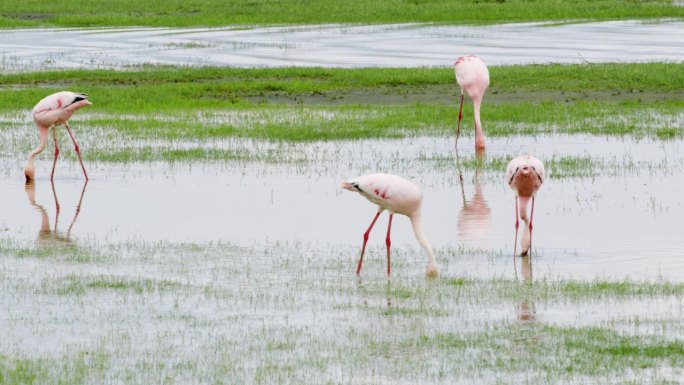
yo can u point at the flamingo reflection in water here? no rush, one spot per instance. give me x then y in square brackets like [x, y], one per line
[475, 215]
[51, 235]
[526, 311]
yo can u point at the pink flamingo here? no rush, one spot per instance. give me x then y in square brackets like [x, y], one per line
[525, 175]
[52, 111]
[397, 195]
[473, 77]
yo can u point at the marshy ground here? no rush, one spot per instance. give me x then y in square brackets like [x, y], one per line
[212, 244]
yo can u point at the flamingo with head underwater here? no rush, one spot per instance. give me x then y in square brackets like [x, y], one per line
[525, 175]
[398, 196]
[473, 77]
[52, 111]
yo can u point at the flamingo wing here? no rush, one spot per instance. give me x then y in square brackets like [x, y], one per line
[59, 100]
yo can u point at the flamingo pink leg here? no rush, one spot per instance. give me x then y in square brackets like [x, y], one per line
[365, 240]
[388, 243]
[460, 115]
[531, 215]
[77, 150]
[517, 224]
[54, 162]
[54, 194]
[78, 207]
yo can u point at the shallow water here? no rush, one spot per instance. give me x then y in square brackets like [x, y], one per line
[622, 222]
[394, 45]
[245, 269]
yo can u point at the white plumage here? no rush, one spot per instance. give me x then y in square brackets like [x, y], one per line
[472, 76]
[397, 195]
[52, 111]
[525, 174]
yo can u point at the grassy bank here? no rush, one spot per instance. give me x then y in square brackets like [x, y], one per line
[168, 87]
[178, 13]
[327, 104]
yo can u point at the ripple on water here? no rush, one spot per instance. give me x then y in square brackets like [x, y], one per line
[396, 45]
[615, 215]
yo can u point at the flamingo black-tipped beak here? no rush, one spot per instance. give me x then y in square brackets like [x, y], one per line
[347, 186]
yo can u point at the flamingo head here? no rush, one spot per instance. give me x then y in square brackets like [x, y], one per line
[81, 103]
[30, 171]
[460, 59]
[348, 186]
[432, 271]
[525, 171]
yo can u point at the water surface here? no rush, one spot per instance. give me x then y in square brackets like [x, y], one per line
[245, 269]
[394, 45]
[617, 219]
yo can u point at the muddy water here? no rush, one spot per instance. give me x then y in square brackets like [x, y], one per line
[399, 45]
[620, 222]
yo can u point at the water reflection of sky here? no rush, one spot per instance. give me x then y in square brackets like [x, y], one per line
[624, 224]
[397, 45]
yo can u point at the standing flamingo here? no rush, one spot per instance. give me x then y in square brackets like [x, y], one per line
[52, 111]
[473, 77]
[397, 195]
[525, 175]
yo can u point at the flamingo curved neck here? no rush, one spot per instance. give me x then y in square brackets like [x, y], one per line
[29, 169]
[43, 132]
[524, 201]
[476, 112]
[418, 232]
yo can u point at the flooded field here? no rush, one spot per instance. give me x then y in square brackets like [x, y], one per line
[613, 214]
[244, 270]
[213, 244]
[397, 45]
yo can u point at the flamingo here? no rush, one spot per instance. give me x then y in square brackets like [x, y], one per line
[46, 233]
[525, 175]
[473, 77]
[396, 195]
[52, 111]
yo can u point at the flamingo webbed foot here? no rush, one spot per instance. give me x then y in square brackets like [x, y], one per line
[432, 271]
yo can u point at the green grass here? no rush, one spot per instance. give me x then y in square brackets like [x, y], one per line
[557, 166]
[561, 354]
[175, 87]
[561, 351]
[180, 114]
[289, 134]
[77, 286]
[15, 13]
[51, 246]
[297, 104]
